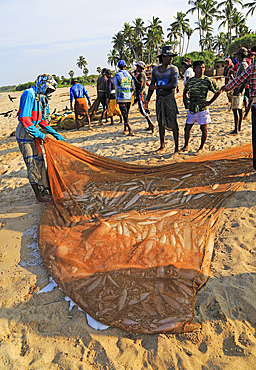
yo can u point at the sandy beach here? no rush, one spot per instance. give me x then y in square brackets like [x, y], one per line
[42, 331]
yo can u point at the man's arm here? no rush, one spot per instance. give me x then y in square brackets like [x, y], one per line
[185, 98]
[151, 89]
[215, 89]
[239, 80]
[71, 98]
[87, 96]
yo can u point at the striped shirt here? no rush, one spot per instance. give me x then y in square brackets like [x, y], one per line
[249, 75]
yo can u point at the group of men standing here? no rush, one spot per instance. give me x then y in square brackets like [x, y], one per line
[116, 94]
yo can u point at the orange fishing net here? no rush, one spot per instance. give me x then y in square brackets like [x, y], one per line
[131, 244]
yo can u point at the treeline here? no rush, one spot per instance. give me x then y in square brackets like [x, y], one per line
[61, 81]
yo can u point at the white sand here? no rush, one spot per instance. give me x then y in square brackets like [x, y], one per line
[39, 332]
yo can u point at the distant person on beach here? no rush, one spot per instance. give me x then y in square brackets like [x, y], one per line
[238, 94]
[227, 74]
[30, 138]
[124, 85]
[194, 99]
[140, 80]
[248, 76]
[102, 94]
[187, 69]
[78, 93]
[111, 101]
[164, 81]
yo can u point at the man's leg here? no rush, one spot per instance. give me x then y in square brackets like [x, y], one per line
[254, 136]
[204, 136]
[162, 137]
[235, 112]
[144, 113]
[76, 118]
[187, 130]
[124, 108]
[240, 117]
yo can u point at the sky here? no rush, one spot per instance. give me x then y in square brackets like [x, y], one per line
[48, 36]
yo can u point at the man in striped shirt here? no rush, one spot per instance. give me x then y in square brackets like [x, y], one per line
[249, 76]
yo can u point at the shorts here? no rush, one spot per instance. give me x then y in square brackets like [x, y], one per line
[237, 101]
[202, 117]
[113, 108]
[124, 108]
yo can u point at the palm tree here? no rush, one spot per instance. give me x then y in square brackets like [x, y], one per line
[238, 20]
[130, 38]
[196, 6]
[113, 57]
[71, 73]
[188, 32]
[209, 10]
[85, 71]
[220, 43]
[118, 43]
[227, 16]
[98, 70]
[251, 6]
[139, 30]
[155, 32]
[180, 25]
[81, 62]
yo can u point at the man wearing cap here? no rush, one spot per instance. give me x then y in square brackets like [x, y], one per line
[78, 93]
[140, 83]
[164, 81]
[124, 85]
[187, 69]
[247, 76]
[197, 88]
[30, 138]
[102, 94]
[238, 93]
[111, 101]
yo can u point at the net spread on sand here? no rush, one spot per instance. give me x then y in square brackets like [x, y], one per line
[131, 244]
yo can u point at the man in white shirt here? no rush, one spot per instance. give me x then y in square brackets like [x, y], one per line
[187, 69]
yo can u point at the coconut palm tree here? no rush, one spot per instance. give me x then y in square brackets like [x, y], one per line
[81, 62]
[71, 73]
[180, 25]
[209, 10]
[227, 15]
[251, 6]
[196, 7]
[98, 70]
[155, 33]
[188, 32]
[113, 57]
[238, 20]
[130, 38]
[139, 30]
[118, 43]
[220, 43]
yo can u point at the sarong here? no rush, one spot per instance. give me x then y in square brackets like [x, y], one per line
[81, 107]
[166, 111]
[113, 108]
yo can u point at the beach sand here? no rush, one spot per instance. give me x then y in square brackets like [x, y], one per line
[38, 331]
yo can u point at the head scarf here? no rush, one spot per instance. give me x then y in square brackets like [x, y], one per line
[46, 84]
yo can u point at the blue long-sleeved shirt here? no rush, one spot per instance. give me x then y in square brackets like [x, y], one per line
[78, 91]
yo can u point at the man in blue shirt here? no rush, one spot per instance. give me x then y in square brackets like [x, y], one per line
[78, 93]
[124, 86]
[30, 138]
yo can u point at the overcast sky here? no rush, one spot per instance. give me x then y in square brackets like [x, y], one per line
[48, 36]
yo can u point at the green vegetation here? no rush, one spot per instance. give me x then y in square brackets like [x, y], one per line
[206, 56]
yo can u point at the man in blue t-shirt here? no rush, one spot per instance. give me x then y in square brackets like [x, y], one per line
[78, 93]
[124, 86]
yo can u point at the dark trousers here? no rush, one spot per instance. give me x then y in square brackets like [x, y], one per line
[254, 136]
[124, 108]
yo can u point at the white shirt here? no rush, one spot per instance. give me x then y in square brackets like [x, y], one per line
[188, 74]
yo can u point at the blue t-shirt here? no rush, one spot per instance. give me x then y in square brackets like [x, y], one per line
[78, 91]
[124, 81]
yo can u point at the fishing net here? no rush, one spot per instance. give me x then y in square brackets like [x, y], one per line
[131, 244]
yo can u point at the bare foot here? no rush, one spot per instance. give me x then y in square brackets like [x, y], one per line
[200, 150]
[43, 199]
[161, 149]
[184, 149]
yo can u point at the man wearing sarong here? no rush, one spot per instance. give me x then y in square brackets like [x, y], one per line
[140, 83]
[238, 93]
[197, 88]
[102, 94]
[113, 107]
[248, 76]
[164, 81]
[124, 85]
[79, 93]
[30, 138]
